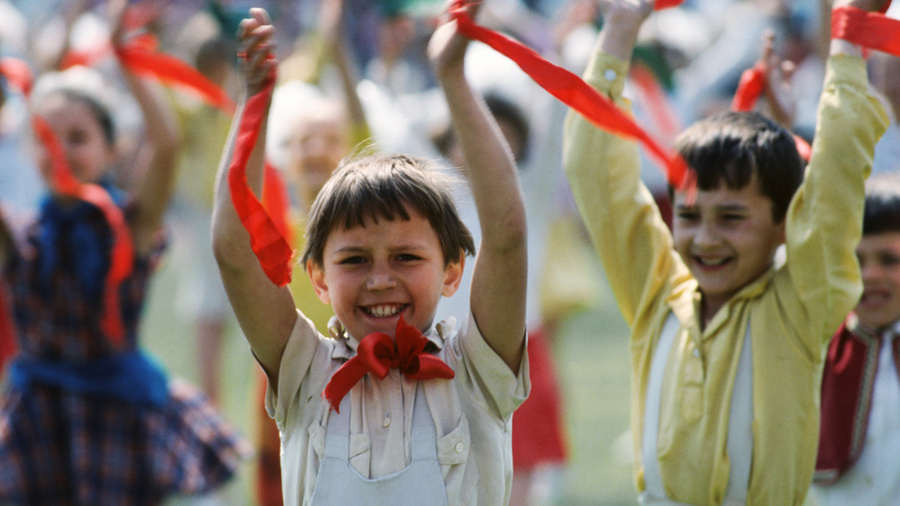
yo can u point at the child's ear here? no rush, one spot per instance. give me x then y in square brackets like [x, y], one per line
[452, 276]
[317, 277]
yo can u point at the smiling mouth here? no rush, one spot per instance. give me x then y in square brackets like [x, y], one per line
[712, 262]
[384, 310]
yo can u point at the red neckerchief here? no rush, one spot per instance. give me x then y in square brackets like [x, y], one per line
[574, 92]
[377, 353]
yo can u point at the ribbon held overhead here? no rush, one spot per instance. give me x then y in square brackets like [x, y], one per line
[377, 353]
[574, 92]
[872, 30]
[268, 243]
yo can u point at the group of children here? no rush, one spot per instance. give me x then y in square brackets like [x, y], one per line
[729, 339]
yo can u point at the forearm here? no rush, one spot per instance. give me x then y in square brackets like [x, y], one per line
[160, 151]
[490, 168]
[825, 217]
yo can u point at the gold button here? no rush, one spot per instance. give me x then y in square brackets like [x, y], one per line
[386, 422]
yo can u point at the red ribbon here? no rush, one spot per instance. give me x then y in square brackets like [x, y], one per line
[872, 30]
[7, 331]
[655, 100]
[665, 4]
[17, 73]
[122, 254]
[377, 353]
[574, 92]
[750, 88]
[276, 200]
[270, 246]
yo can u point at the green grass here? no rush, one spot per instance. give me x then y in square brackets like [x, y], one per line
[593, 365]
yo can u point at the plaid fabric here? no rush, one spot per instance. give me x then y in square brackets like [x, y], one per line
[61, 448]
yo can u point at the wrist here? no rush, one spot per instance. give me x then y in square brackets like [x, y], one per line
[841, 46]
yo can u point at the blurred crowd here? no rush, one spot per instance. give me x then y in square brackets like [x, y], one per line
[363, 61]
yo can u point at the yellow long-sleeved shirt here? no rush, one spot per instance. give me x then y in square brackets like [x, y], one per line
[792, 310]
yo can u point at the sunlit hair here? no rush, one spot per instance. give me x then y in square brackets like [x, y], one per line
[380, 187]
[882, 208]
[83, 85]
[731, 147]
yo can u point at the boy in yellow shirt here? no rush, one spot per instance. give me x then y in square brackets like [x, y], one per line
[727, 345]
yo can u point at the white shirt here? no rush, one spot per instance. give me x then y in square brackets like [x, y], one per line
[472, 414]
[875, 478]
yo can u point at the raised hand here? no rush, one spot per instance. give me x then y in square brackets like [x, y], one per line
[256, 50]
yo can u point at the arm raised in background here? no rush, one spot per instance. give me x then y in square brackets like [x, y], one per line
[264, 310]
[499, 278]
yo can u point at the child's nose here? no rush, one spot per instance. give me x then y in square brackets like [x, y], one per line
[706, 235]
[381, 278]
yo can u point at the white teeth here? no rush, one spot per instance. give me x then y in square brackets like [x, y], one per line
[384, 311]
[712, 262]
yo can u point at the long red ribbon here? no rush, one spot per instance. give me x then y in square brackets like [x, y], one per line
[276, 201]
[378, 354]
[270, 246]
[122, 254]
[872, 30]
[574, 92]
[656, 102]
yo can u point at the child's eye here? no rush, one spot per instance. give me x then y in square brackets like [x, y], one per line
[890, 260]
[352, 260]
[407, 257]
[688, 215]
[732, 217]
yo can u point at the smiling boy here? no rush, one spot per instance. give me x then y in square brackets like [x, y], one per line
[727, 345]
[384, 243]
[859, 441]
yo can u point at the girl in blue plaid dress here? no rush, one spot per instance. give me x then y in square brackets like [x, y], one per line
[86, 417]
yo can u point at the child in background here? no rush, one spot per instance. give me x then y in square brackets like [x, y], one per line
[727, 345]
[87, 417]
[384, 243]
[859, 441]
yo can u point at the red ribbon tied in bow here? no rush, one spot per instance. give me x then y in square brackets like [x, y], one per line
[377, 353]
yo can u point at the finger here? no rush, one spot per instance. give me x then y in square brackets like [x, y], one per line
[787, 70]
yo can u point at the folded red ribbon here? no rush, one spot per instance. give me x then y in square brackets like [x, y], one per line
[377, 353]
[276, 201]
[122, 254]
[574, 92]
[270, 246]
[872, 30]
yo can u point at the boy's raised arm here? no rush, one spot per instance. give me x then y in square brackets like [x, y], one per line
[499, 278]
[264, 311]
[626, 228]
